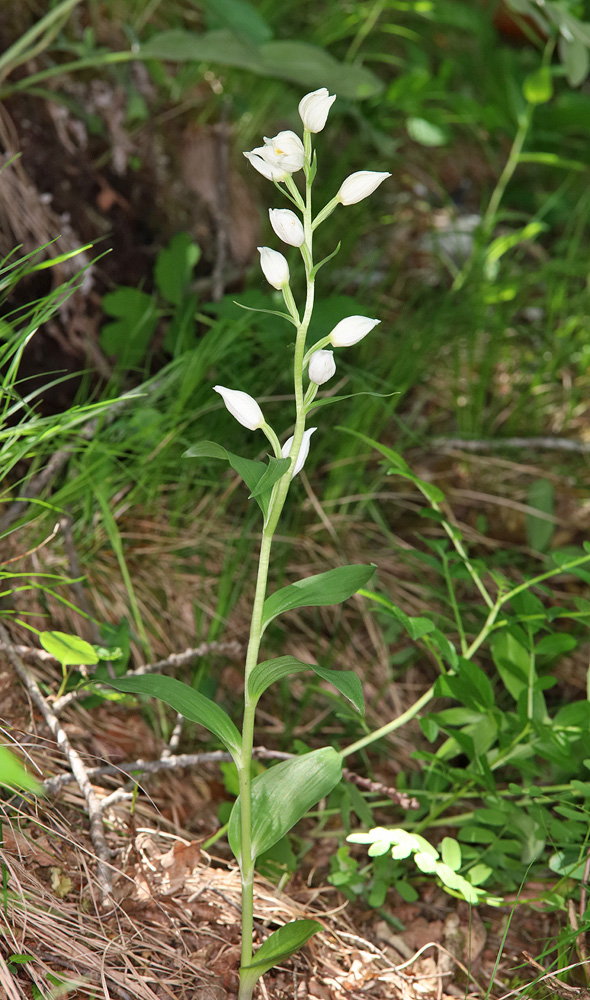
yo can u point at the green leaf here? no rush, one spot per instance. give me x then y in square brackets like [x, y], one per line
[541, 496]
[450, 851]
[300, 62]
[470, 685]
[426, 133]
[574, 56]
[251, 472]
[14, 775]
[332, 587]
[185, 700]
[416, 627]
[538, 86]
[512, 662]
[556, 644]
[240, 16]
[328, 400]
[266, 673]
[479, 874]
[174, 267]
[282, 796]
[272, 473]
[278, 946]
[69, 650]
[130, 336]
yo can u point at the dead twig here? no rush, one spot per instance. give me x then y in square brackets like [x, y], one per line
[545, 443]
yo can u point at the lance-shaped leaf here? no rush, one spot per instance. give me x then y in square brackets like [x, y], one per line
[272, 473]
[185, 700]
[277, 947]
[69, 650]
[266, 673]
[259, 477]
[332, 587]
[282, 796]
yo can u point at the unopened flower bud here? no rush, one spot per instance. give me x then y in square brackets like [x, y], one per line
[274, 267]
[303, 451]
[241, 406]
[360, 185]
[287, 226]
[352, 329]
[321, 367]
[314, 108]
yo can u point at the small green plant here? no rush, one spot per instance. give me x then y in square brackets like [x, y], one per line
[519, 798]
[135, 314]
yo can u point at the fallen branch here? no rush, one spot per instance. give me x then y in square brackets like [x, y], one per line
[169, 762]
[544, 443]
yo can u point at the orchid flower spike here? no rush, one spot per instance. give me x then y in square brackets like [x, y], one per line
[303, 451]
[352, 329]
[314, 108]
[241, 406]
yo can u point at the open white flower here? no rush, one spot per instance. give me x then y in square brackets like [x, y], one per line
[321, 367]
[360, 185]
[352, 329]
[303, 451]
[274, 267]
[314, 108]
[287, 226]
[241, 406]
[280, 156]
[272, 173]
[287, 149]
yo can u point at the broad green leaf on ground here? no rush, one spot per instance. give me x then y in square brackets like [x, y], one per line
[136, 318]
[277, 947]
[282, 796]
[174, 267]
[299, 62]
[332, 587]
[185, 700]
[14, 775]
[266, 673]
[69, 650]
[240, 16]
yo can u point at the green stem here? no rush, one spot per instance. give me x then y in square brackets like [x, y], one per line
[490, 215]
[453, 600]
[390, 727]
[104, 59]
[275, 509]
